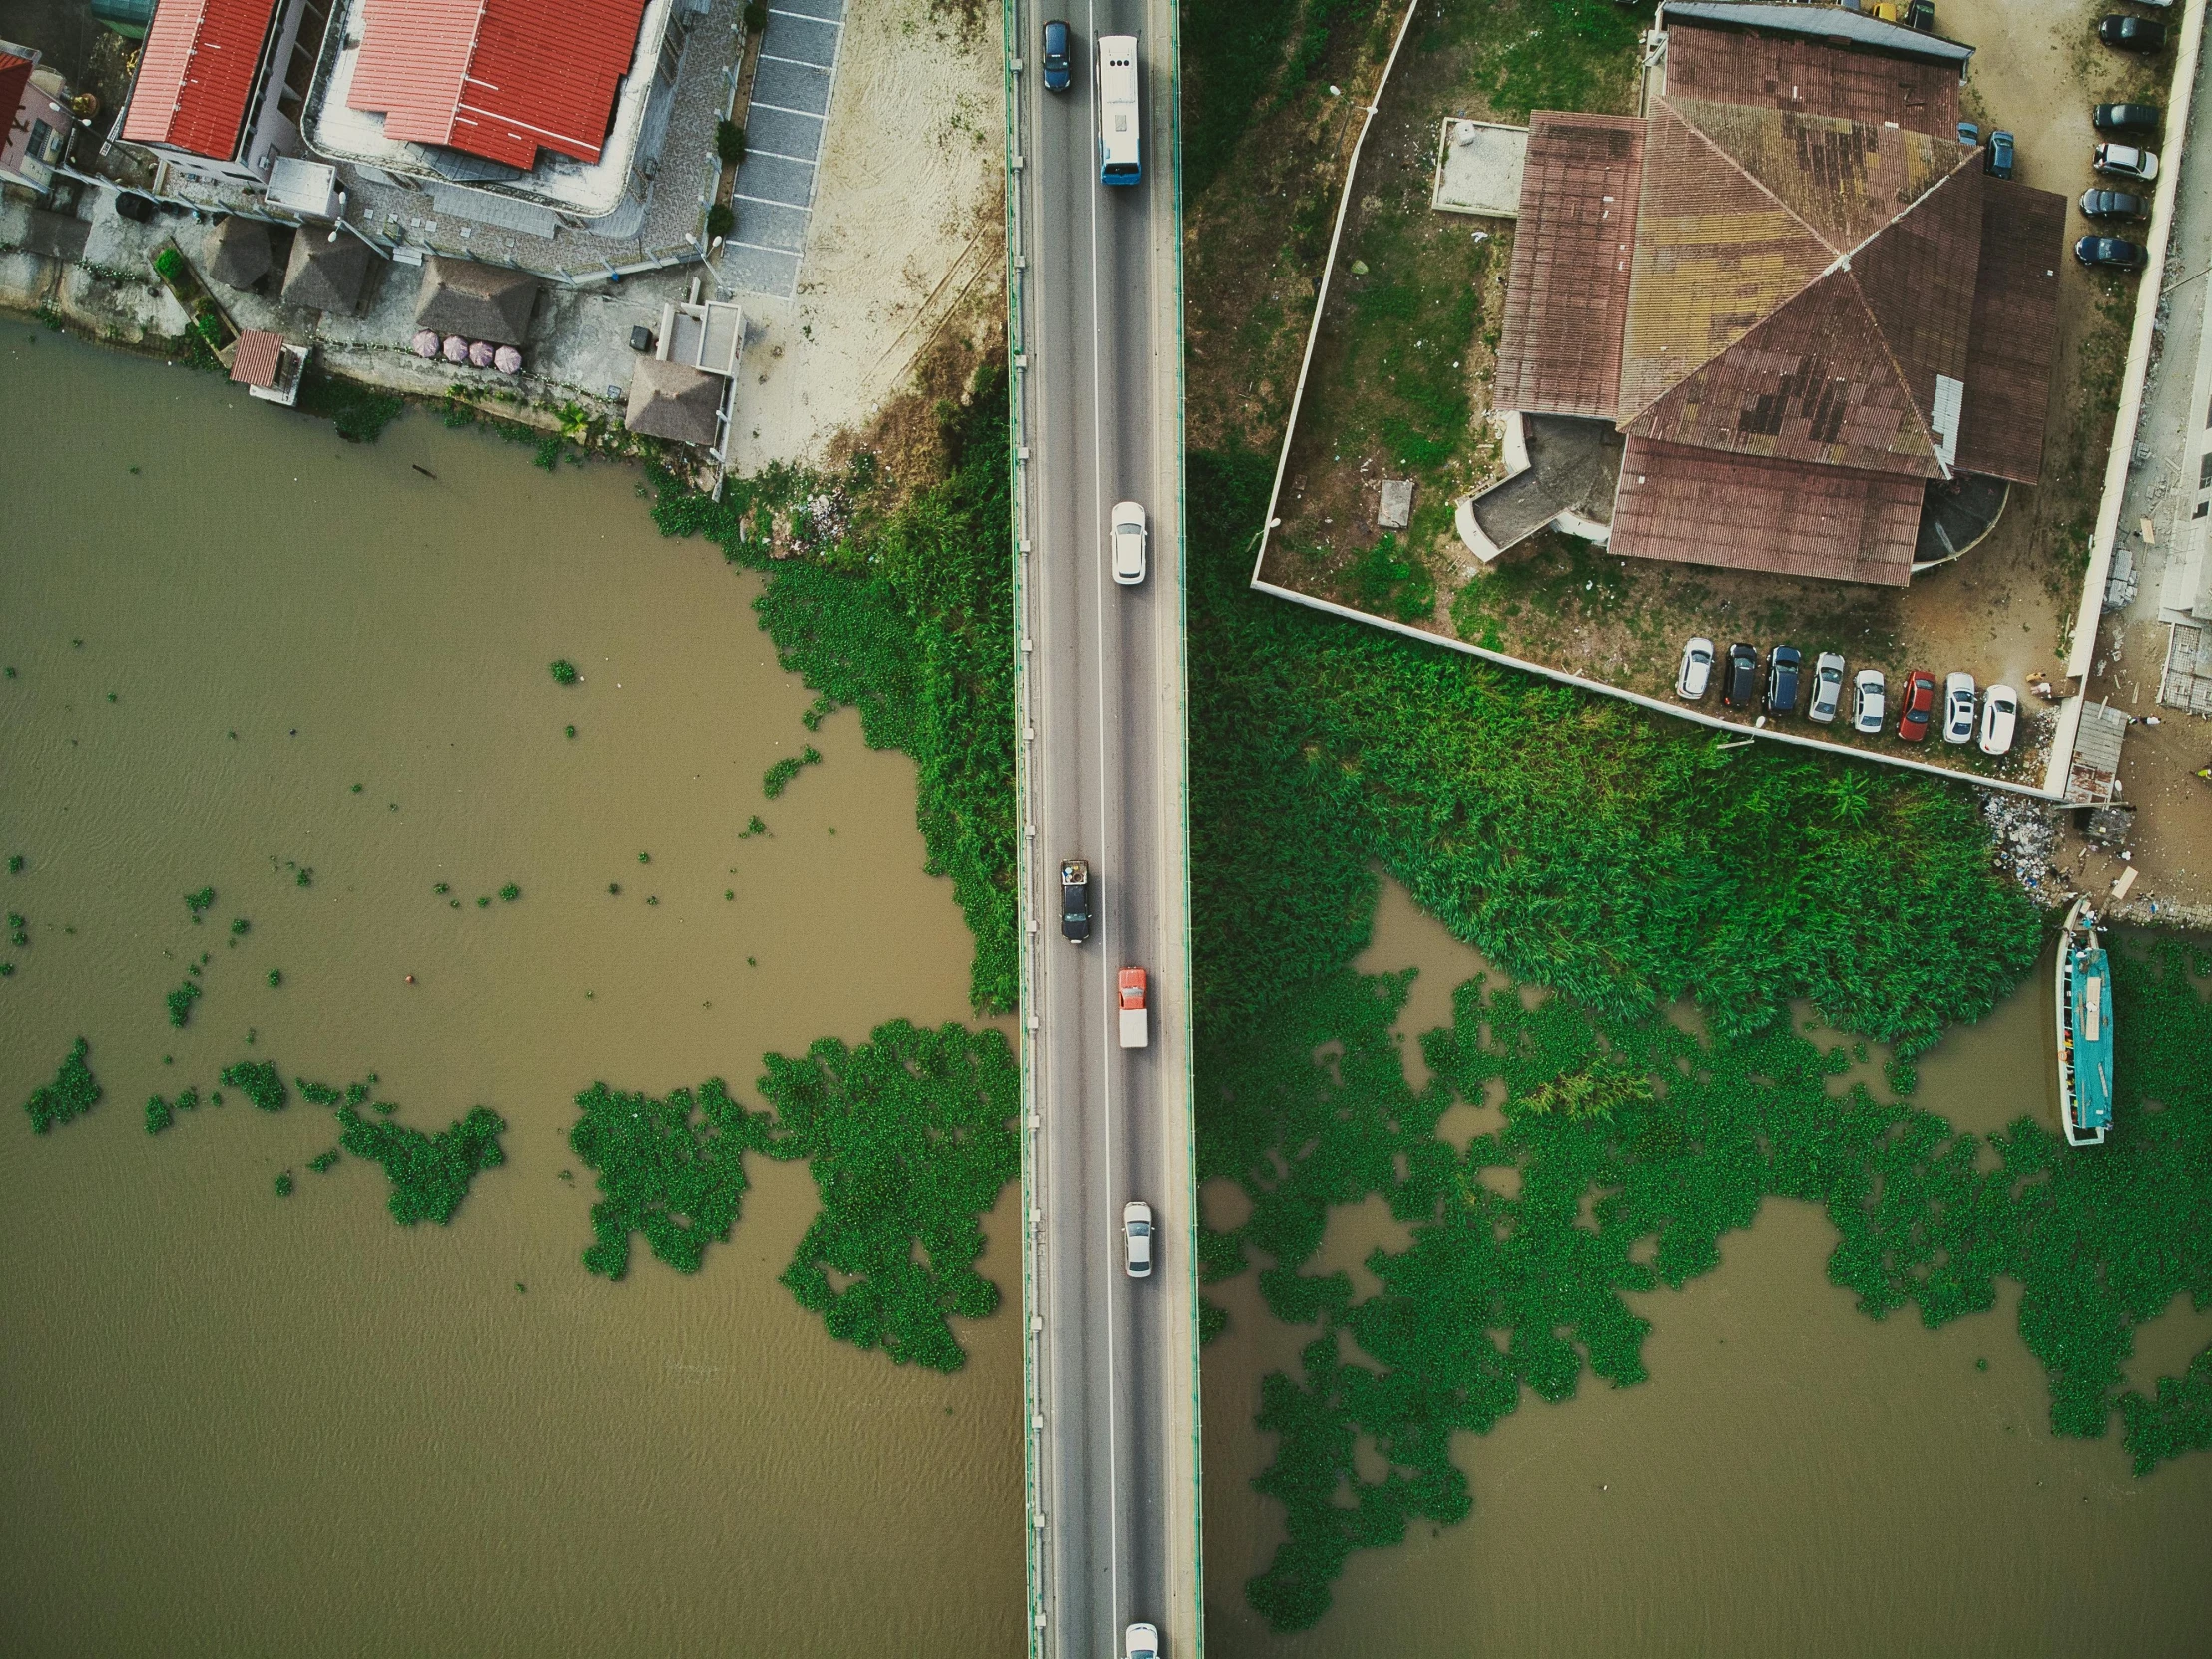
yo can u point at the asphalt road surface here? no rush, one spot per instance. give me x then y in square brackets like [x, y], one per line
[1113, 1383]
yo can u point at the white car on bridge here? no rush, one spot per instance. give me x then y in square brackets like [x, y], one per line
[1141, 1641]
[1129, 543]
[1136, 1231]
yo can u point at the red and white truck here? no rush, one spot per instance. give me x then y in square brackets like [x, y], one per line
[1135, 1022]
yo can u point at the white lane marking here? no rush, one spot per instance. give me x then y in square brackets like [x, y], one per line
[803, 161]
[804, 17]
[1098, 509]
[770, 56]
[786, 109]
[771, 202]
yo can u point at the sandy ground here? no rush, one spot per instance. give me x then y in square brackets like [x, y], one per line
[906, 237]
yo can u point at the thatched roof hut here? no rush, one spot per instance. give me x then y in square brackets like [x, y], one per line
[675, 400]
[476, 301]
[238, 253]
[326, 276]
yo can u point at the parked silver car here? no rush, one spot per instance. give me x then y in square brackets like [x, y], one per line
[1827, 688]
[1696, 672]
[1869, 700]
[1958, 707]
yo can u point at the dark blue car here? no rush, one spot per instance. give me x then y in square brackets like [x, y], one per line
[1056, 58]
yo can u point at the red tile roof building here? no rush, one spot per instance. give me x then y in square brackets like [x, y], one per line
[1793, 290]
[195, 74]
[500, 79]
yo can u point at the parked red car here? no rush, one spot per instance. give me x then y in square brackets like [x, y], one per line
[1918, 704]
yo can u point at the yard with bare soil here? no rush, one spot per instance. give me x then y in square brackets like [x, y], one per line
[1400, 381]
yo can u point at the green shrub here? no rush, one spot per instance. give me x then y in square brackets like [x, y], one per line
[721, 220]
[755, 17]
[729, 143]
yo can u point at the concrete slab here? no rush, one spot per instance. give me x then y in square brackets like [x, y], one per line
[806, 39]
[791, 86]
[1395, 511]
[771, 224]
[1478, 167]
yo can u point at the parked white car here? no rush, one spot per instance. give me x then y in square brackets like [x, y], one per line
[1141, 1641]
[1827, 688]
[1868, 700]
[1958, 707]
[1129, 543]
[1696, 672]
[2125, 161]
[1136, 1231]
[2001, 712]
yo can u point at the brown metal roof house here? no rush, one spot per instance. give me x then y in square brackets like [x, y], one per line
[1792, 290]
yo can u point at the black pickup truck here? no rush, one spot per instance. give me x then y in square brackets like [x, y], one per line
[1075, 899]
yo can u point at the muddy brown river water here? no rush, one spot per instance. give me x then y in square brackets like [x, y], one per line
[232, 1424]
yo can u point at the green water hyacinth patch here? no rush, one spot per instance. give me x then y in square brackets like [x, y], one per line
[671, 1169]
[181, 1000]
[778, 777]
[564, 672]
[73, 1092]
[429, 1174]
[911, 1138]
[1637, 1146]
[257, 1080]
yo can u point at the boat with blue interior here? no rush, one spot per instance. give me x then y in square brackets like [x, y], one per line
[2085, 1029]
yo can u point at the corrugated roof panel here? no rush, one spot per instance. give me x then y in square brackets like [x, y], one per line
[196, 74]
[1745, 512]
[497, 77]
[1716, 254]
[1794, 72]
[1560, 350]
[2013, 339]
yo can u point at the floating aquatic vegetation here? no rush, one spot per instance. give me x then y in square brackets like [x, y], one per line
[910, 1140]
[753, 827]
[260, 1081]
[303, 877]
[183, 997]
[198, 903]
[240, 928]
[429, 1174]
[510, 893]
[324, 1162]
[779, 776]
[572, 731]
[282, 1184]
[19, 933]
[319, 1094]
[442, 887]
[817, 711]
[276, 978]
[1496, 1293]
[160, 1113]
[672, 1169]
[564, 672]
[73, 1092]
[16, 861]
[484, 902]
[644, 858]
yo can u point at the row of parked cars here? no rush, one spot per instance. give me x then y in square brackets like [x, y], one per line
[1968, 716]
[2116, 159]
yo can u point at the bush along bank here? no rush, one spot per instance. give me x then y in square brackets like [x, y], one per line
[906, 613]
[910, 1140]
[1637, 1145]
[1576, 842]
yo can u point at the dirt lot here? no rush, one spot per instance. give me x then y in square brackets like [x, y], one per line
[1395, 332]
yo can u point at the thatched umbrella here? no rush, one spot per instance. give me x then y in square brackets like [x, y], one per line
[238, 253]
[326, 276]
[476, 301]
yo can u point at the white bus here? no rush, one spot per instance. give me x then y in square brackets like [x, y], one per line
[1114, 83]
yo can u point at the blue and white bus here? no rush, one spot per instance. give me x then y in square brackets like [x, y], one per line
[1115, 81]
